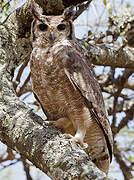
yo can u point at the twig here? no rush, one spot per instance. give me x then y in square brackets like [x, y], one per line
[126, 170]
[5, 6]
[5, 166]
[24, 88]
[81, 9]
[17, 80]
[120, 82]
[10, 156]
[129, 116]
[26, 168]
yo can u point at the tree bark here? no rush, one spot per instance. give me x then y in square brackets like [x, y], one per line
[45, 146]
[109, 55]
[56, 7]
[15, 32]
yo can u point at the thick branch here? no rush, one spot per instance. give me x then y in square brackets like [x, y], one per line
[19, 24]
[109, 55]
[46, 147]
[56, 7]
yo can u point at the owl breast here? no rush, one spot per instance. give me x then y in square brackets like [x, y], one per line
[51, 85]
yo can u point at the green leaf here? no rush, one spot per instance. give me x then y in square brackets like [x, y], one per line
[130, 158]
[122, 34]
[114, 16]
[110, 11]
[128, 6]
[5, 14]
[105, 2]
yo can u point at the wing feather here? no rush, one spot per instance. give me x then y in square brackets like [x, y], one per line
[81, 75]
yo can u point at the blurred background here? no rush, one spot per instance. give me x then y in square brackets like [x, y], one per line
[109, 22]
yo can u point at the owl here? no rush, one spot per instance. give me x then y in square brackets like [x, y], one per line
[65, 85]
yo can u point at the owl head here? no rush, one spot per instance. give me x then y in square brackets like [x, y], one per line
[46, 30]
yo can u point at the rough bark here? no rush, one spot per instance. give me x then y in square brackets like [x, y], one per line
[45, 146]
[17, 29]
[55, 7]
[109, 55]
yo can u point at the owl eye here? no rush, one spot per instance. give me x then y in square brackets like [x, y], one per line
[43, 27]
[61, 27]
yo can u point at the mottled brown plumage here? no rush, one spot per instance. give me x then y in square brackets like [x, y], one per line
[65, 85]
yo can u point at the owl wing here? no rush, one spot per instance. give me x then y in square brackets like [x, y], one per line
[81, 75]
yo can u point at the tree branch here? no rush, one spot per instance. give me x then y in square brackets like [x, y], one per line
[129, 117]
[26, 168]
[81, 9]
[109, 55]
[45, 146]
[56, 7]
[102, 54]
[125, 169]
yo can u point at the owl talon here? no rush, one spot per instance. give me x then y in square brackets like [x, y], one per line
[48, 123]
[68, 136]
[79, 141]
[85, 146]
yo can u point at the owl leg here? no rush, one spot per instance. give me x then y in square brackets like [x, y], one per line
[62, 123]
[80, 120]
[65, 124]
[79, 137]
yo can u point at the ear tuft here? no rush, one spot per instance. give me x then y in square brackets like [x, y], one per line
[35, 10]
[69, 13]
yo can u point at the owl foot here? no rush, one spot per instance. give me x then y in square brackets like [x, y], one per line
[68, 136]
[78, 140]
[74, 139]
[48, 123]
[61, 123]
[55, 123]
[85, 146]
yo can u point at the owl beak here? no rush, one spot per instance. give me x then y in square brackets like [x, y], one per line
[51, 37]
